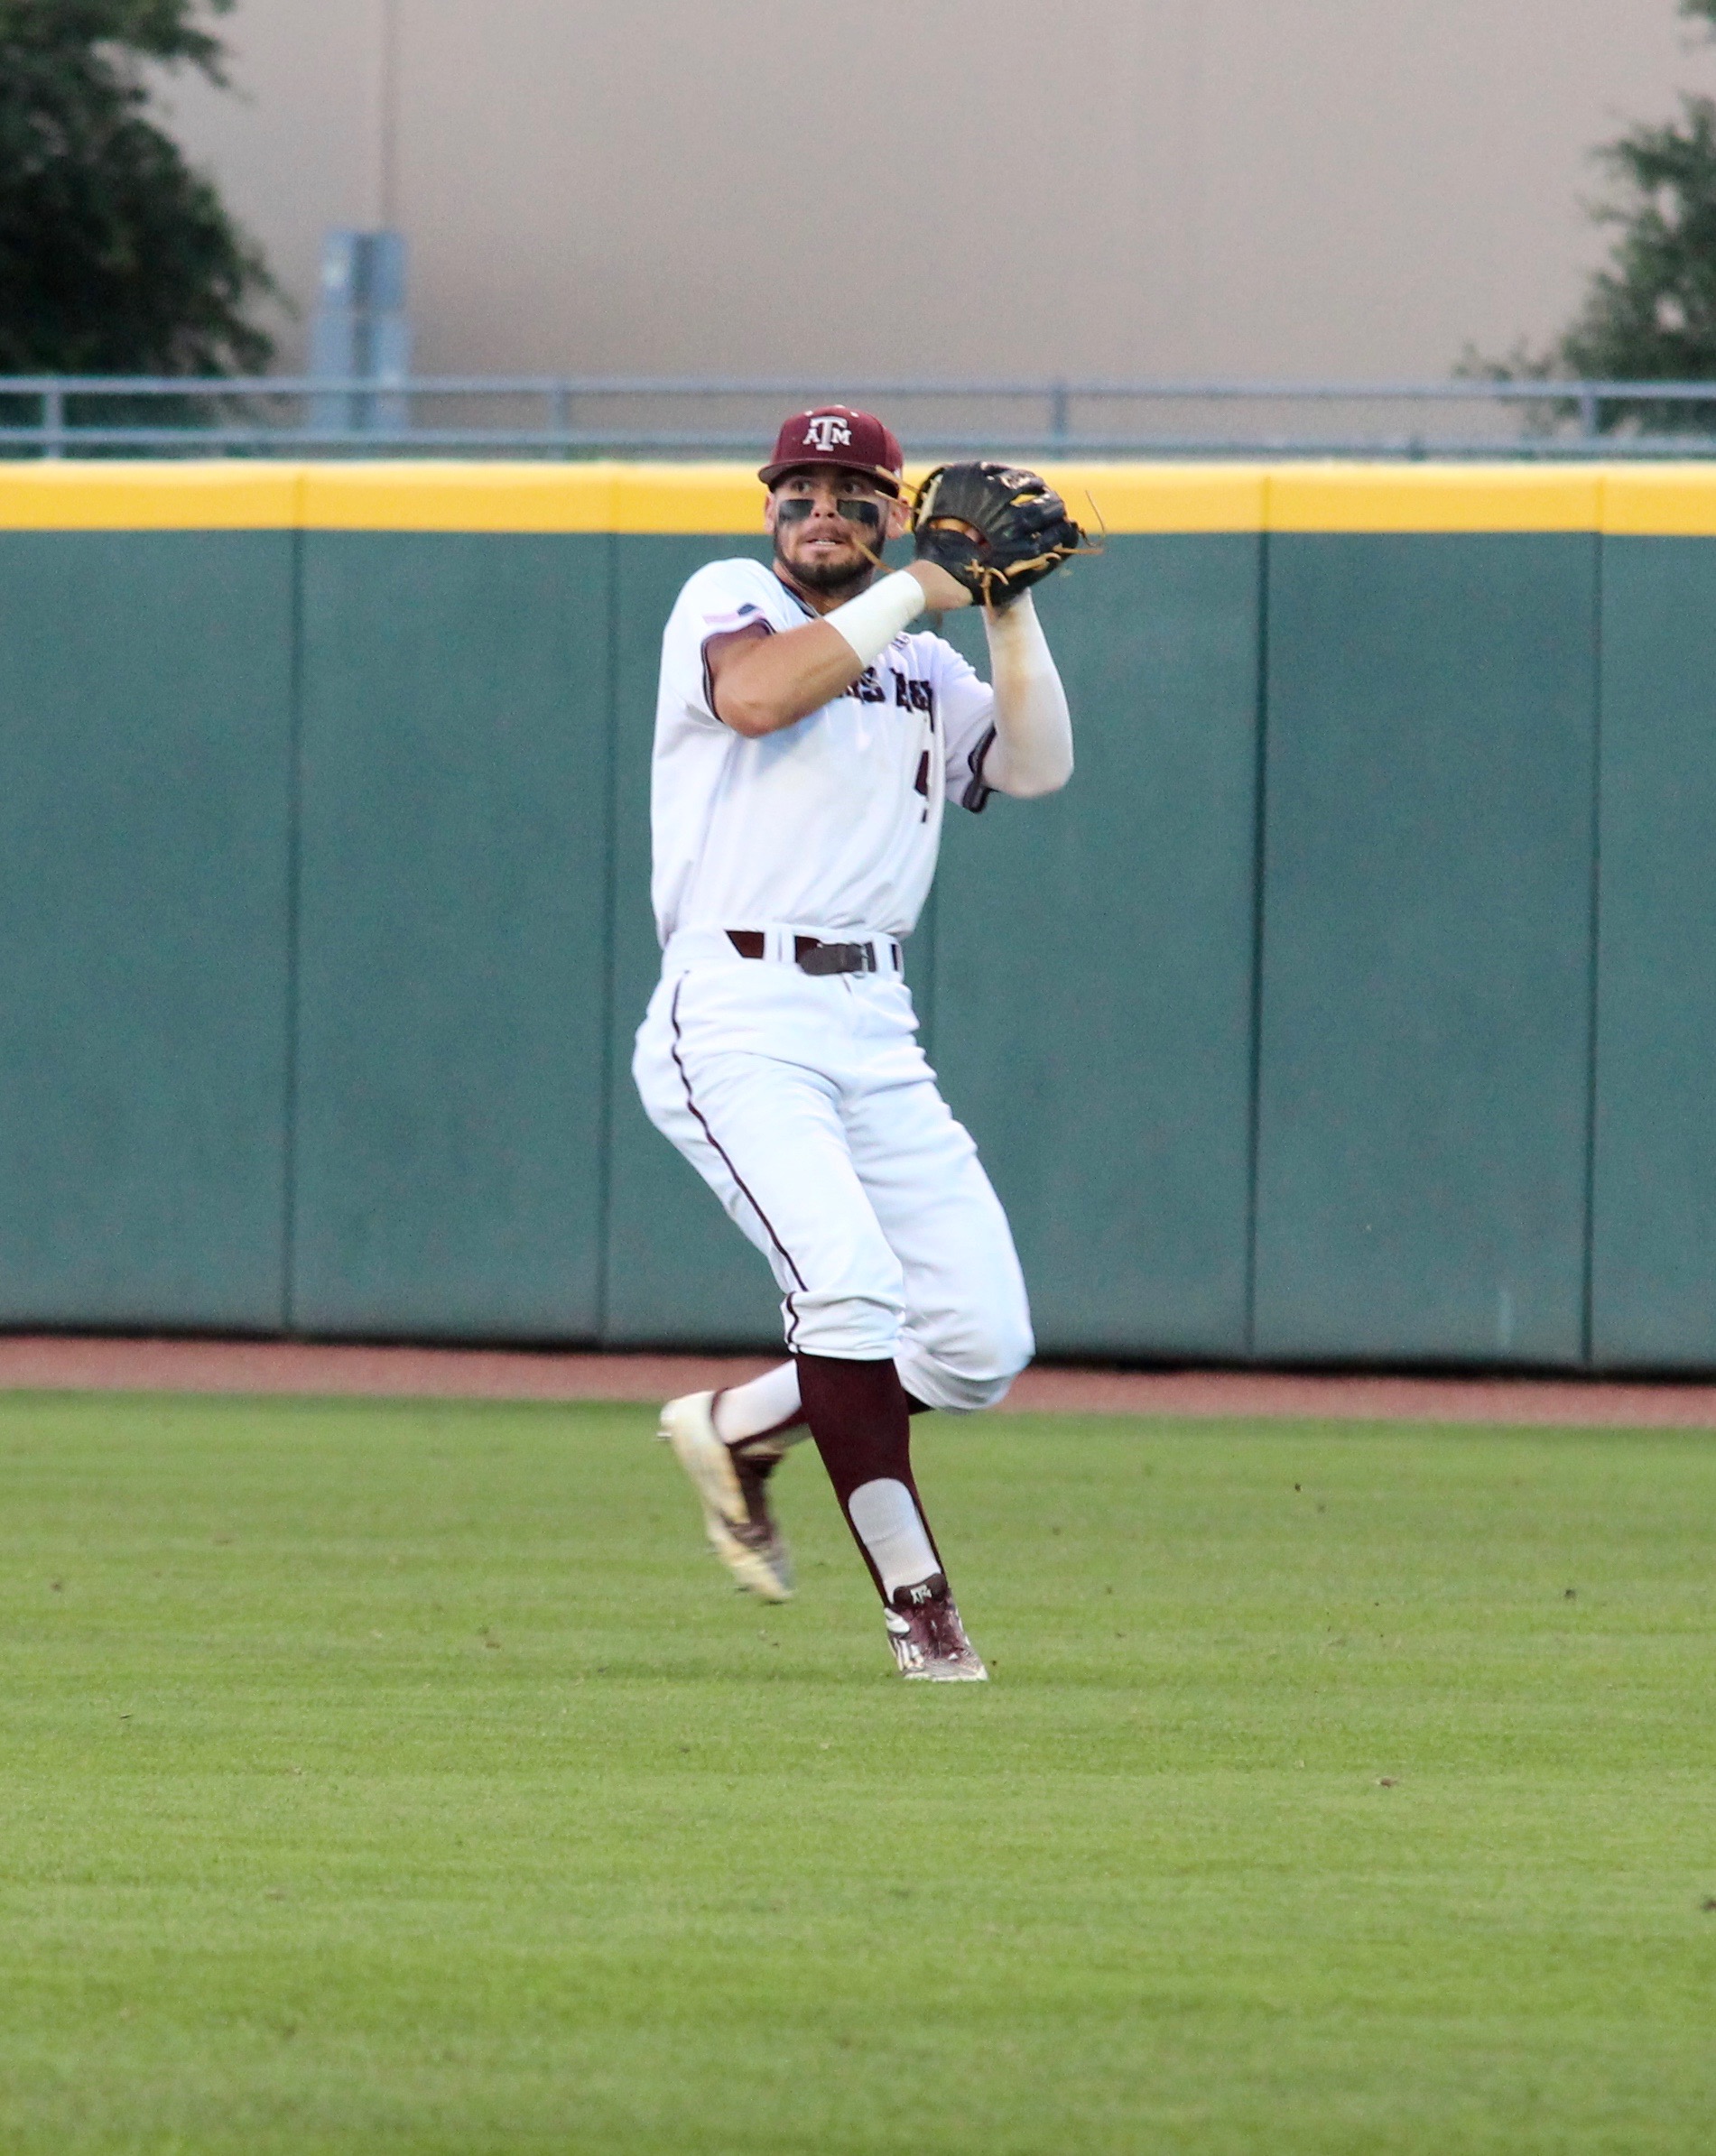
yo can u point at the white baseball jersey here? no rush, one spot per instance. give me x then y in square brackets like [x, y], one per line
[833, 823]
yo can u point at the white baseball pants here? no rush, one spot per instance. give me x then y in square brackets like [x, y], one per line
[806, 1104]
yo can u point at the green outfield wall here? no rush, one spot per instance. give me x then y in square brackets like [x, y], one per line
[1357, 1002]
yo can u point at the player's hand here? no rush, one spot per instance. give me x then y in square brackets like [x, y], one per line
[995, 528]
[941, 592]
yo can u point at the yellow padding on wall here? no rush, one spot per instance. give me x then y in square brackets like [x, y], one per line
[724, 498]
[448, 497]
[687, 498]
[715, 500]
[1161, 497]
[532, 497]
[208, 495]
[1662, 501]
[1435, 498]
[420, 497]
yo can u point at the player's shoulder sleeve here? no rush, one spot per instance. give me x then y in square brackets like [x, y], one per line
[720, 598]
[965, 705]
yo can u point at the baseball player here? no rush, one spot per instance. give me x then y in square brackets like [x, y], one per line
[806, 743]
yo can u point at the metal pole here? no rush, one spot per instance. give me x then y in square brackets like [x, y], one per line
[1588, 412]
[53, 420]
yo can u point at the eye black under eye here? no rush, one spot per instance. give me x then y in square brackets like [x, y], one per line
[857, 509]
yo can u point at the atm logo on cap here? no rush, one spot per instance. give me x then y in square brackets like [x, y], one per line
[825, 433]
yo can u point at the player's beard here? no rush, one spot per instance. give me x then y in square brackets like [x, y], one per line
[837, 580]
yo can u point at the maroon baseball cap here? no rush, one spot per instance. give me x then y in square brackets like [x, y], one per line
[834, 434]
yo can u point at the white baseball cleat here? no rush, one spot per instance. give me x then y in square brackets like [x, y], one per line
[928, 1640]
[733, 1492]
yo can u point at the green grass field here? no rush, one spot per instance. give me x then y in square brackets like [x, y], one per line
[402, 1777]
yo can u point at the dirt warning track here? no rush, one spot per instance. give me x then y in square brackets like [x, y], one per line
[81, 1362]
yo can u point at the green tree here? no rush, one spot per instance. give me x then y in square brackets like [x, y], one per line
[116, 257]
[1650, 314]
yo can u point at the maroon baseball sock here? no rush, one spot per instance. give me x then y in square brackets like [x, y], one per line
[762, 1418]
[859, 1416]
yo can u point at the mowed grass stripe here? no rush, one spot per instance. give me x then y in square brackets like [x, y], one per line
[402, 1777]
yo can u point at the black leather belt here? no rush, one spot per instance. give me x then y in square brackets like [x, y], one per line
[810, 954]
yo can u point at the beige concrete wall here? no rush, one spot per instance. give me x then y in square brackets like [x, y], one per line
[1293, 187]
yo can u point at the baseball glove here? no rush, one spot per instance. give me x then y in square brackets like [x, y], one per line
[998, 530]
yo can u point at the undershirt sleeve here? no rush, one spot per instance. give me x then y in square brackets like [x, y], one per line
[965, 703]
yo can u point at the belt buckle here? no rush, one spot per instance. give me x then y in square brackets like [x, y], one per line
[822, 958]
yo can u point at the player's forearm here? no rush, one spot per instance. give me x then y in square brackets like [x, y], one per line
[1032, 752]
[777, 680]
[765, 685]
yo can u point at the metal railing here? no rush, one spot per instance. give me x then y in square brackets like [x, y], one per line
[60, 415]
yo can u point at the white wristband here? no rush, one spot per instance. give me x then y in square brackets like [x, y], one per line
[871, 622]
